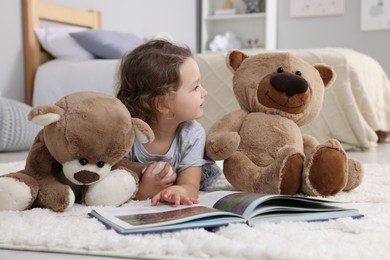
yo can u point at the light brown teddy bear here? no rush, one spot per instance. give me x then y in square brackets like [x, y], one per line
[77, 156]
[262, 145]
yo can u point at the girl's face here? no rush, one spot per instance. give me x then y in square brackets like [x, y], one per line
[189, 99]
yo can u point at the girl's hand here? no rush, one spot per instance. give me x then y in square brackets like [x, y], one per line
[178, 195]
[151, 183]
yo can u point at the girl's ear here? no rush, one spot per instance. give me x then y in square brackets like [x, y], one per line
[161, 104]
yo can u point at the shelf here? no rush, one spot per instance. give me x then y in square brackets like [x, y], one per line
[234, 16]
[247, 27]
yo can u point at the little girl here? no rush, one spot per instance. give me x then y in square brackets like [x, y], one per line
[159, 82]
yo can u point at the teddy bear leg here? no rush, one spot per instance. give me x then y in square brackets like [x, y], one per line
[325, 171]
[244, 175]
[355, 174]
[115, 189]
[54, 195]
[241, 172]
[18, 191]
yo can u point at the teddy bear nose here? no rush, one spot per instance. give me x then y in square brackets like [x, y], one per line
[86, 177]
[289, 84]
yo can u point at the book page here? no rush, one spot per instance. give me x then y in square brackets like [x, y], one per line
[147, 218]
[209, 199]
[240, 203]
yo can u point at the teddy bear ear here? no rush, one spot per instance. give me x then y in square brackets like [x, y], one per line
[234, 59]
[143, 132]
[327, 74]
[45, 115]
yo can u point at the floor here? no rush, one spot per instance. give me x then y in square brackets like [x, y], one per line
[380, 154]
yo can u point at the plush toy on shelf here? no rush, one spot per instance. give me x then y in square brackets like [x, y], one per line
[261, 143]
[79, 155]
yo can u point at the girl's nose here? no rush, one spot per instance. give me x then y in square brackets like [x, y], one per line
[204, 92]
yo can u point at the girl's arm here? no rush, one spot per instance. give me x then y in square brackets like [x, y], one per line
[185, 191]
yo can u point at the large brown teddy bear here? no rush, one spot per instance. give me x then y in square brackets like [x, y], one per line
[262, 145]
[77, 156]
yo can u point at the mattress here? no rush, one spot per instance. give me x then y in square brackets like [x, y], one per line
[354, 107]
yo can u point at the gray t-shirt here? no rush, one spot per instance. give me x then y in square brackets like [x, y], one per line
[187, 148]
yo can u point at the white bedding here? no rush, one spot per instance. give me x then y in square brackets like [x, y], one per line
[354, 107]
[58, 78]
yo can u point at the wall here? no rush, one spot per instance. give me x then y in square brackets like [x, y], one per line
[126, 15]
[11, 51]
[333, 31]
[144, 18]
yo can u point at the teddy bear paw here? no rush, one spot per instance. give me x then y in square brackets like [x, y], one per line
[355, 174]
[326, 173]
[115, 189]
[222, 146]
[14, 194]
[291, 175]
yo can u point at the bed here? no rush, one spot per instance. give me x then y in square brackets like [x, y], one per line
[354, 110]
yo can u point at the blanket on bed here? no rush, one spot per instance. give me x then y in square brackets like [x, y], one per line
[73, 232]
[354, 107]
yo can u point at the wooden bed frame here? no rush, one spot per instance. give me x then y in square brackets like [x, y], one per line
[33, 12]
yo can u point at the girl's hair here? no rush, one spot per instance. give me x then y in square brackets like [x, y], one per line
[150, 70]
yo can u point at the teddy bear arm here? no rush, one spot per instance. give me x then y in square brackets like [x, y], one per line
[54, 195]
[40, 162]
[231, 122]
[138, 168]
[223, 138]
[134, 168]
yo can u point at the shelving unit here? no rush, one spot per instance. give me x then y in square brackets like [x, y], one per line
[246, 26]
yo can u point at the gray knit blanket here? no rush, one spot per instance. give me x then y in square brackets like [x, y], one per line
[16, 132]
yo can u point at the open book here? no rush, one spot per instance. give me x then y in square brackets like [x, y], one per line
[221, 208]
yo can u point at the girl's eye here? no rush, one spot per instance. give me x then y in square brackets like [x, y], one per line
[196, 88]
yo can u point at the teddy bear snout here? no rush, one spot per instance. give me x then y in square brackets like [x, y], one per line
[290, 84]
[86, 177]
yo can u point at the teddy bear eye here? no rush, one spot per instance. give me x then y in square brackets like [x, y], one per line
[299, 73]
[100, 164]
[83, 161]
[280, 70]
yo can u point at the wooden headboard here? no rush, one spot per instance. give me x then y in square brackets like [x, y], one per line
[34, 11]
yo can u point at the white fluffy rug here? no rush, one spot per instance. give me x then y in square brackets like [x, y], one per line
[74, 232]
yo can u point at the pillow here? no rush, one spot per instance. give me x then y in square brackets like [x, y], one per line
[57, 41]
[16, 132]
[107, 44]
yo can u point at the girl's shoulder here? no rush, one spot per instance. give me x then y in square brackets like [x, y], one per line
[191, 128]
[193, 124]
